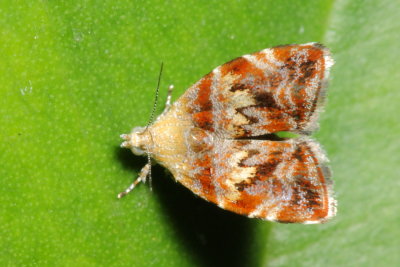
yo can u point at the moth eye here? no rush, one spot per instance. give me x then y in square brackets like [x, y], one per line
[137, 151]
[199, 140]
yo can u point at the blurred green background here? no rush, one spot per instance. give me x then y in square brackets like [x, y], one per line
[76, 74]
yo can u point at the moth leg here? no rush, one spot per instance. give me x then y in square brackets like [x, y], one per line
[142, 178]
[168, 102]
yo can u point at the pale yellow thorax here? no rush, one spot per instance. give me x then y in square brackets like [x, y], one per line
[165, 139]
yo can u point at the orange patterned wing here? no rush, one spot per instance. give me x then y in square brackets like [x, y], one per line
[285, 181]
[234, 108]
[276, 89]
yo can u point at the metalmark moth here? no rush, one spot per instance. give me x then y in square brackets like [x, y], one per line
[219, 138]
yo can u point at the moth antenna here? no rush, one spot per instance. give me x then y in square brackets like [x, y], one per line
[149, 174]
[155, 98]
[150, 122]
[149, 162]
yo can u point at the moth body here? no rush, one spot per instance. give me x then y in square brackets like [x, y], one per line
[217, 138]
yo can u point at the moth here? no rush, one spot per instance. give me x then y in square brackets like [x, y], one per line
[219, 139]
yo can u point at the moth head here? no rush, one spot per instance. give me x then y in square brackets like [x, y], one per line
[138, 140]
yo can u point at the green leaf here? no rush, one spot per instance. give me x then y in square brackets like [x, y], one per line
[76, 74]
